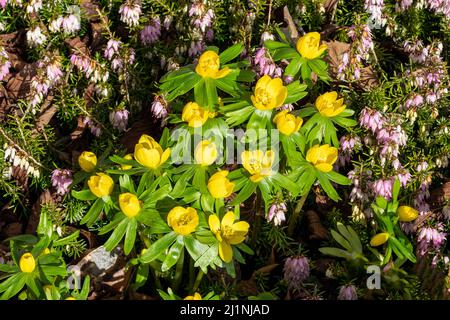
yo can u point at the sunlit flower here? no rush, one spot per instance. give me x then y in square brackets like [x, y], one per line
[87, 161]
[127, 166]
[309, 46]
[287, 123]
[322, 157]
[101, 184]
[205, 153]
[407, 214]
[196, 296]
[227, 233]
[329, 105]
[195, 115]
[209, 64]
[379, 239]
[183, 221]
[129, 204]
[219, 185]
[258, 163]
[27, 263]
[269, 93]
[149, 153]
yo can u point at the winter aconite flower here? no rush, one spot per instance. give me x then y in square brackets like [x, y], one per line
[209, 64]
[227, 233]
[196, 296]
[287, 123]
[322, 157]
[258, 163]
[87, 161]
[379, 239]
[149, 153]
[219, 186]
[309, 46]
[27, 263]
[195, 115]
[205, 153]
[129, 204]
[101, 184]
[329, 105]
[407, 214]
[127, 166]
[183, 221]
[269, 93]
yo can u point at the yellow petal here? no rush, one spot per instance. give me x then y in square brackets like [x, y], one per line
[214, 223]
[225, 251]
[324, 167]
[165, 155]
[313, 154]
[407, 214]
[241, 226]
[222, 73]
[379, 239]
[228, 219]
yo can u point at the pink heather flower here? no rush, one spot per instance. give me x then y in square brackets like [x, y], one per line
[159, 109]
[296, 270]
[196, 48]
[276, 213]
[5, 64]
[61, 180]
[112, 48]
[95, 129]
[348, 293]
[404, 178]
[209, 35]
[423, 166]
[119, 119]
[151, 32]
[375, 8]
[3, 3]
[265, 65]
[431, 238]
[167, 22]
[130, 12]
[371, 119]
[71, 24]
[383, 188]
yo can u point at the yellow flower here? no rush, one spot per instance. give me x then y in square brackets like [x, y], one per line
[126, 166]
[227, 232]
[71, 298]
[287, 123]
[269, 93]
[258, 163]
[183, 221]
[379, 239]
[149, 153]
[129, 204]
[309, 45]
[209, 64]
[27, 263]
[219, 185]
[46, 251]
[195, 115]
[205, 153]
[87, 161]
[322, 157]
[101, 184]
[329, 105]
[407, 214]
[196, 296]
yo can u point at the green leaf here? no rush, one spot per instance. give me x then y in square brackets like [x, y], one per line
[130, 236]
[84, 195]
[117, 235]
[336, 252]
[395, 190]
[93, 213]
[173, 255]
[286, 183]
[285, 53]
[339, 239]
[207, 258]
[272, 45]
[199, 180]
[294, 67]
[12, 286]
[141, 276]
[338, 178]
[244, 193]
[327, 187]
[158, 247]
[231, 53]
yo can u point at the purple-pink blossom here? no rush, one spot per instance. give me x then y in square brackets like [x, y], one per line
[61, 180]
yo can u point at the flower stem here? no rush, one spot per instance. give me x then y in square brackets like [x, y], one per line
[178, 271]
[296, 213]
[197, 280]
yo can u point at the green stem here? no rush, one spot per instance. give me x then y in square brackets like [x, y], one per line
[197, 280]
[257, 221]
[296, 213]
[178, 272]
